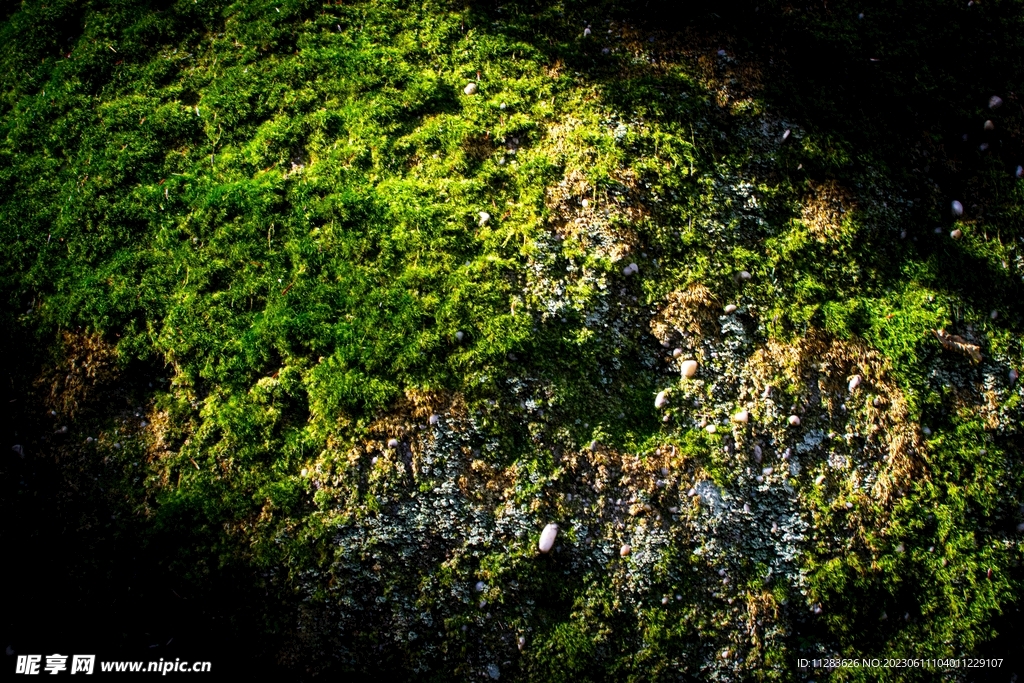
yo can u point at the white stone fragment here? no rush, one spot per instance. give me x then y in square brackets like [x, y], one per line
[484, 217]
[625, 550]
[547, 538]
[989, 125]
[854, 383]
[661, 399]
[470, 89]
[785, 135]
[956, 234]
[677, 352]
[957, 208]
[995, 102]
[392, 443]
[731, 308]
[711, 429]
[434, 419]
[742, 417]
[459, 335]
[689, 368]
[744, 275]
[480, 586]
[586, 32]
[794, 420]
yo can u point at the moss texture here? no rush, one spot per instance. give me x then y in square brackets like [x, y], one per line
[316, 317]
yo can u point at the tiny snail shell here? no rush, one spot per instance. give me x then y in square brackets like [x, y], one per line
[794, 420]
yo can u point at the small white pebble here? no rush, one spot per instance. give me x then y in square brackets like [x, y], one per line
[547, 538]
[1013, 375]
[688, 368]
[480, 586]
[926, 431]
[785, 135]
[661, 400]
[304, 471]
[741, 417]
[900, 548]
[849, 505]
[818, 479]
[767, 471]
[460, 335]
[956, 234]
[757, 453]
[854, 383]
[731, 308]
[625, 550]
[989, 125]
[677, 352]
[470, 89]
[484, 217]
[711, 429]
[794, 420]
[995, 102]
[994, 314]
[392, 443]
[957, 208]
[434, 419]
[744, 275]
